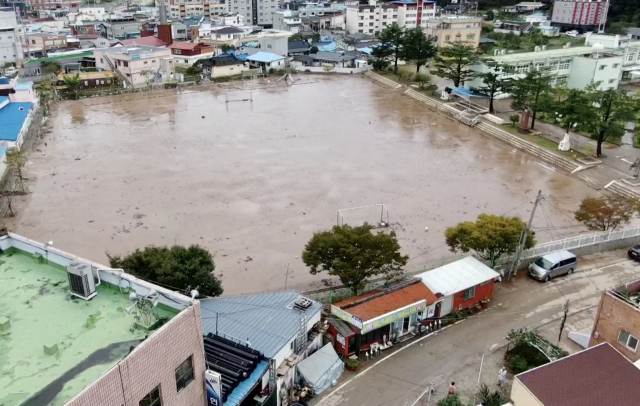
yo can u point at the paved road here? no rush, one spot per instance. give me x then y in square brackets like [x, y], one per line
[401, 378]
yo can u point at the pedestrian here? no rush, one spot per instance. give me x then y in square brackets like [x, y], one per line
[502, 377]
[452, 388]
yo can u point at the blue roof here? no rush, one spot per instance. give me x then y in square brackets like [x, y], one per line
[242, 57]
[265, 57]
[11, 120]
[266, 320]
[24, 85]
[3, 99]
[464, 92]
[242, 390]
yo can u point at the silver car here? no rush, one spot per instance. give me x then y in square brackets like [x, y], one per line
[552, 265]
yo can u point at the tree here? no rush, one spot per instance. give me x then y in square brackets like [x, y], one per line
[73, 82]
[380, 64]
[451, 400]
[533, 92]
[313, 50]
[490, 397]
[494, 82]
[574, 108]
[612, 109]
[619, 27]
[417, 47]
[422, 79]
[316, 37]
[514, 119]
[45, 94]
[226, 47]
[602, 214]
[50, 67]
[489, 236]
[392, 38]
[490, 15]
[354, 254]
[453, 63]
[182, 268]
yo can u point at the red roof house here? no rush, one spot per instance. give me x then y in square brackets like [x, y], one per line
[146, 41]
[190, 48]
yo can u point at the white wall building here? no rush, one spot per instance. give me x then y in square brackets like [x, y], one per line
[374, 17]
[10, 47]
[98, 13]
[626, 46]
[286, 20]
[256, 12]
[138, 64]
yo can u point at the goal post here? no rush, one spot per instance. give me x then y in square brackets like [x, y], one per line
[376, 215]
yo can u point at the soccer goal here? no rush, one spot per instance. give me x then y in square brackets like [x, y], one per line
[376, 215]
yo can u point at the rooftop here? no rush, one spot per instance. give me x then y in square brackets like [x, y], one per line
[90, 75]
[62, 57]
[374, 306]
[12, 117]
[628, 292]
[265, 57]
[228, 30]
[549, 53]
[188, 45]
[84, 338]
[457, 276]
[268, 320]
[150, 41]
[594, 377]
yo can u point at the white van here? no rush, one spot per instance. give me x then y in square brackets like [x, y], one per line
[552, 265]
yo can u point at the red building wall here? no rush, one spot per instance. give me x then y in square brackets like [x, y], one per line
[482, 292]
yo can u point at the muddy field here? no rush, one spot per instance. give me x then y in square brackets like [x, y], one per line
[252, 181]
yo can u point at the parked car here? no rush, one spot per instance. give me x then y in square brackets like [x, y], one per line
[634, 252]
[552, 265]
[10, 71]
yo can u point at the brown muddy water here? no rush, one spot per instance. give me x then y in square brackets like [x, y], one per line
[253, 181]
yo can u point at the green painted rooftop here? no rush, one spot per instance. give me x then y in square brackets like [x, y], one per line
[60, 57]
[53, 344]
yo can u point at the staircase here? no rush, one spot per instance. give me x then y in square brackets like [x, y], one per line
[422, 98]
[529, 147]
[115, 69]
[624, 191]
[387, 82]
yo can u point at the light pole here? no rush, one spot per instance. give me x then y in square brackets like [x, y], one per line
[286, 276]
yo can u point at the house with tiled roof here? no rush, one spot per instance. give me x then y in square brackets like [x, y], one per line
[381, 316]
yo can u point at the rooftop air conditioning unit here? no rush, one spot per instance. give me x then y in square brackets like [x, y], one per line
[81, 283]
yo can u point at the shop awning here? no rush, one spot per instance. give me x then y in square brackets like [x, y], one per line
[320, 369]
[242, 390]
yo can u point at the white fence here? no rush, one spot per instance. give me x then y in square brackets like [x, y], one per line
[580, 241]
[321, 69]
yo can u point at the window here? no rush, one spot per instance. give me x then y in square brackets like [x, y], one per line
[145, 62]
[539, 65]
[126, 64]
[564, 65]
[561, 79]
[628, 340]
[612, 80]
[360, 25]
[630, 57]
[553, 66]
[471, 36]
[86, 83]
[152, 399]
[469, 293]
[522, 68]
[101, 60]
[615, 65]
[602, 67]
[447, 38]
[184, 374]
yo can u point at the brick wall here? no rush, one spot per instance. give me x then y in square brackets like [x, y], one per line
[151, 364]
[615, 315]
[482, 292]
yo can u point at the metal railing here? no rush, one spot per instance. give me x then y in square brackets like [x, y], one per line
[580, 241]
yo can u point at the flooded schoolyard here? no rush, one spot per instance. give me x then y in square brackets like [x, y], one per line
[252, 180]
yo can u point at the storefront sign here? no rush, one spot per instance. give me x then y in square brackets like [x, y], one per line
[431, 311]
[340, 340]
[392, 317]
[213, 385]
[342, 315]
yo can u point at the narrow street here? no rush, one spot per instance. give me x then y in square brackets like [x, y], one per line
[401, 377]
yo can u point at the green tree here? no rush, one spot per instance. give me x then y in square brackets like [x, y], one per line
[514, 119]
[573, 108]
[602, 214]
[50, 67]
[489, 236]
[494, 82]
[73, 83]
[354, 254]
[511, 41]
[613, 109]
[316, 37]
[490, 16]
[380, 64]
[489, 397]
[533, 92]
[178, 267]
[313, 50]
[417, 47]
[45, 94]
[619, 27]
[422, 79]
[453, 63]
[451, 400]
[393, 39]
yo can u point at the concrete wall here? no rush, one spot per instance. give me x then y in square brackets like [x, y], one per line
[615, 315]
[229, 70]
[520, 395]
[605, 71]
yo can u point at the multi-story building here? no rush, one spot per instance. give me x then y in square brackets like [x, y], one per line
[121, 28]
[317, 18]
[576, 66]
[625, 45]
[10, 47]
[581, 15]
[196, 8]
[256, 12]
[447, 30]
[97, 13]
[187, 53]
[286, 20]
[374, 17]
[55, 4]
[46, 42]
[618, 320]
[137, 64]
[94, 335]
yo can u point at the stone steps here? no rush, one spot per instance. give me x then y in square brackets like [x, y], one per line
[624, 191]
[529, 147]
[381, 79]
[421, 98]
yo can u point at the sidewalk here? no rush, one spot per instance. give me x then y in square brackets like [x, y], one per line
[455, 354]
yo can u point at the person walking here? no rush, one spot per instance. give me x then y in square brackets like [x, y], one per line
[452, 388]
[502, 377]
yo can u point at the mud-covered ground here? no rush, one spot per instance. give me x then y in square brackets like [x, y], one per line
[252, 181]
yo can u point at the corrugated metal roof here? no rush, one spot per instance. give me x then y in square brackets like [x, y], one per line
[266, 320]
[242, 390]
[265, 57]
[457, 276]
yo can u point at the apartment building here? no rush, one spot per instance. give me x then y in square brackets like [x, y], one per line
[581, 15]
[121, 28]
[196, 8]
[256, 12]
[47, 42]
[56, 4]
[447, 30]
[10, 47]
[286, 20]
[137, 64]
[626, 46]
[374, 17]
[97, 13]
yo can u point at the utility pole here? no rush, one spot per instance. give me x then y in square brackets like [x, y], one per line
[523, 237]
[429, 391]
[565, 307]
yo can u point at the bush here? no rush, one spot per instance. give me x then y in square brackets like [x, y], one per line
[352, 363]
[514, 119]
[272, 71]
[451, 400]
[380, 64]
[518, 364]
[489, 397]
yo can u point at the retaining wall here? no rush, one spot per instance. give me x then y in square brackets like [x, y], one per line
[320, 69]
